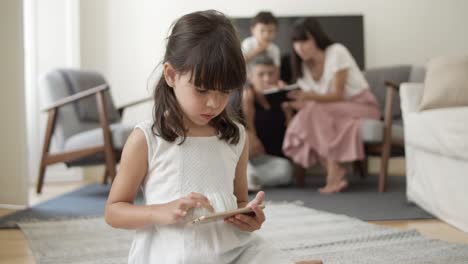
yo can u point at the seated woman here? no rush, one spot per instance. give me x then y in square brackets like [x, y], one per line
[333, 100]
[265, 128]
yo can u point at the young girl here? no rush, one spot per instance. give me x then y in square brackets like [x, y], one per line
[191, 159]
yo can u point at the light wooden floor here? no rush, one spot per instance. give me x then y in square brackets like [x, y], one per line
[14, 248]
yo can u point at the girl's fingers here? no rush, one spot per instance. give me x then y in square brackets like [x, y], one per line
[259, 214]
[248, 220]
[196, 200]
[258, 199]
[208, 207]
[240, 224]
[180, 212]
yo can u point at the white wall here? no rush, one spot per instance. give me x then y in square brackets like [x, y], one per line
[52, 41]
[125, 39]
[13, 153]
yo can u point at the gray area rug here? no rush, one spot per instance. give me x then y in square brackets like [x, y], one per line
[361, 200]
[301, 232]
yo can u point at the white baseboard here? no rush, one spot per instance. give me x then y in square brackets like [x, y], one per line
[13, 206]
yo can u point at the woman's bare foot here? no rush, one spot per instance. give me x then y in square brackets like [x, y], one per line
[336, 181]
[336, 188]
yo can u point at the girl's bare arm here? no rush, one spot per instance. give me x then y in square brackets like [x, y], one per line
[240, 180]
[120, 210]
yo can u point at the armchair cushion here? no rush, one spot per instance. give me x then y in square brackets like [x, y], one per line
[94, 137]
[86, 109]
[371, 131]
[446, 83]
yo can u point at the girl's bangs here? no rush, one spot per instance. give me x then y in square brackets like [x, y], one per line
[216, 70]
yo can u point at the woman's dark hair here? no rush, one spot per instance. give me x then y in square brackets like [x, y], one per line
[206, 44]
[304, 29]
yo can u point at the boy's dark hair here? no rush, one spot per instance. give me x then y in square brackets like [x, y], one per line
[206, 44]
[263, 59]
[264, 17]
[304, 29]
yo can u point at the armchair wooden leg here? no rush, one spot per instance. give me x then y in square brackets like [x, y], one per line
[384, 167]
[105, 176]
[40, 176]
[387, 135]
[108, 146]
[52, 116]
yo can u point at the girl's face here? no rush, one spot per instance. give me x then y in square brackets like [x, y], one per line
[306, 49]
[199, 104]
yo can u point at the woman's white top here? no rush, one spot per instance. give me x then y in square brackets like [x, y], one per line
[204, 165]
[337, 57]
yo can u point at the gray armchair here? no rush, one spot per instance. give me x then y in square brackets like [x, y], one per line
[385, 137]
[83, 122]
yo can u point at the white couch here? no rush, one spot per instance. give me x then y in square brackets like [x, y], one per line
[436, 149]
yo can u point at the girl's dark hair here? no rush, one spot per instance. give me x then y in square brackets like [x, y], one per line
[206, 44]
[304, 29]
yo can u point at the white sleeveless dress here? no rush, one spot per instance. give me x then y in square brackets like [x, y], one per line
[205, 165]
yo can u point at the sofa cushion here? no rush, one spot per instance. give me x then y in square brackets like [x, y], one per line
[441, 131]
[446, 83]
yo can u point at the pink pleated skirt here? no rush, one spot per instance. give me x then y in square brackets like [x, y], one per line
[330, 130]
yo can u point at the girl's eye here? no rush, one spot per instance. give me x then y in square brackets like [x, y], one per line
[201, 90]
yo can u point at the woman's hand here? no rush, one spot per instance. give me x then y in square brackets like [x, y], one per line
[302, 95]
[296, 95]
[250, 223]
[299, 98]
[174, 211]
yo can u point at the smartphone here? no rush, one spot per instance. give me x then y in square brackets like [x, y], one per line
[222, 215]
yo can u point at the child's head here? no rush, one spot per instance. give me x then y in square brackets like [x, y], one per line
[203, 65]
[262, 74]
[263, 27]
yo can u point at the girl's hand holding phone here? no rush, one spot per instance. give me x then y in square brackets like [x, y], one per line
[250, 223]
